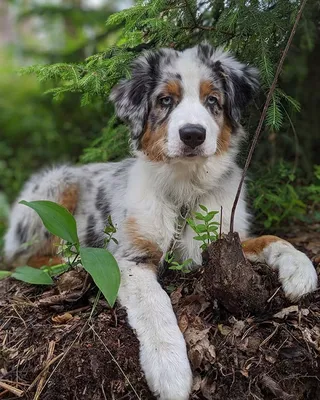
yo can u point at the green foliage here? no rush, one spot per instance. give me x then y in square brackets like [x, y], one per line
[56, 270]
[174, 265]
[29, 275]
[312, 191]
[207, 229]
[207, 232]
[36, 132]
[58, 220]
[311, 196]
[109, 231]
[104, 270]
[255, 31]
[280, 196]
[100, 263]
[32, 275]
[112, 144]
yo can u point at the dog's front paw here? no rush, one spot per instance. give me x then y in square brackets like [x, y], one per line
[167, 369]
[296, 273]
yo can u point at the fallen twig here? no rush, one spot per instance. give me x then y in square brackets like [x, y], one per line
[44, 369]
[12, 389]
[44, 373]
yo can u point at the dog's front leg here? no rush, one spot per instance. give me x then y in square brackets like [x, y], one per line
[163, 353]
[296, 272]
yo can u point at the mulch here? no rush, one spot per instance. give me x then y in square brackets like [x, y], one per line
[65, 343]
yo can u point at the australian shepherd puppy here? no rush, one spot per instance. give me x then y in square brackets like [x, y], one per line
[184, 110]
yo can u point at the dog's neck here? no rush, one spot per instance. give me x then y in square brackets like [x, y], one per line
[185, 182]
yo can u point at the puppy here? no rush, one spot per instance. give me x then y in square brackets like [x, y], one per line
[184, 112]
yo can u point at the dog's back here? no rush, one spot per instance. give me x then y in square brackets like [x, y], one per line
[91, 192]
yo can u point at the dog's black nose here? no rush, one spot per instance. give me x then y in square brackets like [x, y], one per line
[192, 135]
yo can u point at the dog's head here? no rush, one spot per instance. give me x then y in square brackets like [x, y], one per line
[182, 105]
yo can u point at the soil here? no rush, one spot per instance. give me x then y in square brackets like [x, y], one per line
[63, 343]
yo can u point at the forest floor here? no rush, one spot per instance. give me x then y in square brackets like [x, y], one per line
[61, 344]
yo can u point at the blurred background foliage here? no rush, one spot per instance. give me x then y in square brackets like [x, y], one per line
[75, 51]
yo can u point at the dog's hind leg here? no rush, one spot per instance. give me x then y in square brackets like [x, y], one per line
[296, 272]
[27, 240]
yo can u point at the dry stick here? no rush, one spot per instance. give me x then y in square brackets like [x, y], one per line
[44, 373]
[264, 112]
[12, 389]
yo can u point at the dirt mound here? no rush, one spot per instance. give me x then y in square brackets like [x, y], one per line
[58, 344]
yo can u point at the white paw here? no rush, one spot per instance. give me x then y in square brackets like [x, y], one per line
[296, 273]
[167, 369]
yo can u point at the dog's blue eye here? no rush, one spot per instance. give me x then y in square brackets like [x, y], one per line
[166, 101]
[211, 100]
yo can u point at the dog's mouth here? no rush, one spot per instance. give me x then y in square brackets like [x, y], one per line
[191, 153]
[188, 156]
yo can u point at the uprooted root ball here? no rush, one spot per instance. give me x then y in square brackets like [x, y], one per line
[232, 280]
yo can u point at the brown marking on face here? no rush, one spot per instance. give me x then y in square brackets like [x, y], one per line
[173, 88]
[206, 89]
[153, 142]
[139, 242]
[257, 245]
[223, 140]
[69, 198]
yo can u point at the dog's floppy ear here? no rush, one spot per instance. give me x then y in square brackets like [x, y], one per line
[131, 96]
[240, 81]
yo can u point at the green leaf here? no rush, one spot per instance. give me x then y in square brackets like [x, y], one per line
[4, 274]
[214, 223]
[201, 228]
[56, 270]
[104, 270]
[203, 208]
[201, 237]
[213, 238]
[199, 216]
[212, 228]
[191, 223]
[210, 215]
[56, 219]
[187, 262]
[32, 275]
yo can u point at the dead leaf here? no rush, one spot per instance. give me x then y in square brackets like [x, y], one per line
[183, 322]
[196, 383]
[244, 372]
[224, 329]
[71, 280]
[208, 388]
[286, 311]
[201, 352]
[270, 359]
[238, 328]
[312, 336]
[176, 296]
[62, 319]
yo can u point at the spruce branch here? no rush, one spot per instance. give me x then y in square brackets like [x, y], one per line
[264, 112]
